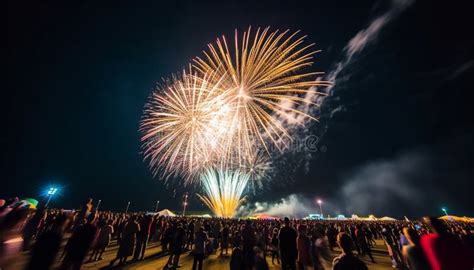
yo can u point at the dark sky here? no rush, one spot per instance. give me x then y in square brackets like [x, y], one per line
[399, 140]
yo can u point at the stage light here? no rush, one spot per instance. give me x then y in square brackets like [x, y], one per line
[320, 202]
[51, 192]
[444, 210]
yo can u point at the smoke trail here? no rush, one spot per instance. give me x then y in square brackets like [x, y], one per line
[353, 48]
[295, 206]
[329, 106]
[365, 37]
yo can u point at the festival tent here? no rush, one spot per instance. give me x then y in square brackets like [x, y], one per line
[372, 218]
[369, 218]
[386, 219]
[201, 216]
[166, 213]
[456, 218]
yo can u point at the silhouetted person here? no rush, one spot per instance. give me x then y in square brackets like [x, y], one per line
[79, 244]
[168, 237]
[331, 233]
[347, 261]
[443, 250]
[224, 239]
[31, 227]
[47, 245]
[363, 244]
[237, 240]
[412, 253]
[274, 248]
[248, 243]
[303, 242]
[392, 247]
[86, 210]
[236, 260]
[190, 235]
[127, 242]
[142, 238]
[176, 247]
[199, 248]
[288, 251]
[260, 261]
[103, 240]
[352, 231]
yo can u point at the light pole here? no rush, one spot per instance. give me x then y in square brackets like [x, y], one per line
[445, 211]
[51, 193]
[126, 209]
[97, 207]
[156, 206]
[320, 207]
[185, 203]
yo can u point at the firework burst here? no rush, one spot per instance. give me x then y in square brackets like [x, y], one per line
[218, 122]
[184, 121]
[263, 78]
[223, 191]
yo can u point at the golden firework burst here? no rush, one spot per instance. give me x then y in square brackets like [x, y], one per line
[223, 191]
[183, 124]
[263, 77]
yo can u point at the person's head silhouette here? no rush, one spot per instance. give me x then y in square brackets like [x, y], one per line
[436, 225]
[345, 242]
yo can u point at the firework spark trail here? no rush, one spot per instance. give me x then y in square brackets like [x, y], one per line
[258, 166]
[223, 191]
[183, 124]
[263, 70]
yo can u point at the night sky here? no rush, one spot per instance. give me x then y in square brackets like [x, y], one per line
[397, 129]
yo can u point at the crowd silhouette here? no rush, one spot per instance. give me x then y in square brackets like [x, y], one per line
[289, 243]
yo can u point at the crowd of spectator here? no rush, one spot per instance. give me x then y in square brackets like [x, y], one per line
[289, 243]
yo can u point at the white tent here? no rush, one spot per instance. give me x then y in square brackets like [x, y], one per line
[201, 216]
[387, 219]
[166, 213]
[369, 218]
[372, 217]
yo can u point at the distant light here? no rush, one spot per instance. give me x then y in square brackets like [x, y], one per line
[443, 209]
[320, 202]
[52, 191]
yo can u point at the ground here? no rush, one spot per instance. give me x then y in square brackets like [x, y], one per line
[155, 259]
